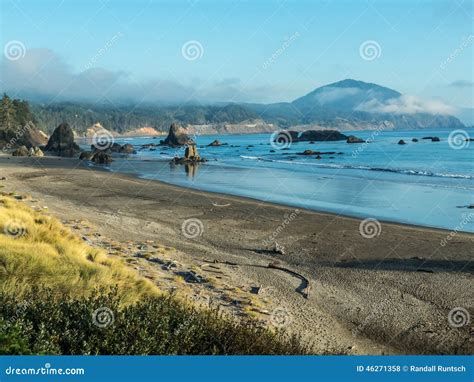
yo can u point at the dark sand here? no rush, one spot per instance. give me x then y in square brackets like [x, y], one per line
[388, 294]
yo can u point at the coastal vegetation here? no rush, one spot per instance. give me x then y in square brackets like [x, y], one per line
[123, 118]
[58, 295]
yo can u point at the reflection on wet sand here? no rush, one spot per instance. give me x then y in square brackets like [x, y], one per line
[191, 169]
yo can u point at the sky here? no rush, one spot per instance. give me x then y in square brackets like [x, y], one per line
[240, 51]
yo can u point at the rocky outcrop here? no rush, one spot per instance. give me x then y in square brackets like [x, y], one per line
[414, 140]
[27, 135]
[35, 152]
[433, 139]
[127, 149]
[149, 146]
[191, 156]
[354, 139]
[322, 135]
[177, 136]
[310, 135]
[402, 142]
[21, 151]
[101, 157]
[318, 153]
[86, 155]
[215, 143]
[115, 147]
[34, 137]
[62, 142]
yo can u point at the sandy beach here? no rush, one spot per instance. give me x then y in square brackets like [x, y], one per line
[387, 294]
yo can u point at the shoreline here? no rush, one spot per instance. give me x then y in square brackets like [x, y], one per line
[355, 216]
[368, 295]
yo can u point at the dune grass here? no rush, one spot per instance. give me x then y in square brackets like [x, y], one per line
[52, 284]
[36, 249]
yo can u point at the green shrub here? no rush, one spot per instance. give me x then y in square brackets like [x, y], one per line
[45, 323]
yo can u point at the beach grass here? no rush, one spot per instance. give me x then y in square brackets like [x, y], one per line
[36, 249]
[58, 295]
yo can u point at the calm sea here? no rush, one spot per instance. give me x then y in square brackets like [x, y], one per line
[424, 183]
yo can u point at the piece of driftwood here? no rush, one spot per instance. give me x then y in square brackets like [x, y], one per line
[221, 205]
[304, 287]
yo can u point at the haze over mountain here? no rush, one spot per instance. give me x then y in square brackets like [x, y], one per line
[358, 105]
[344, 95]
[344, 105]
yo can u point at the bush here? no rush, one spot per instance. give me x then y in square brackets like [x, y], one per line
[47, 324]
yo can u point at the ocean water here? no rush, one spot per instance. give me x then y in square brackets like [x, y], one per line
[425, 183]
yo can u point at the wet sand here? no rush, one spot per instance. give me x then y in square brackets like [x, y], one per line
[389, 294]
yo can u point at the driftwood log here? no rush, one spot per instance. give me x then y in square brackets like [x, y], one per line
[302, 289]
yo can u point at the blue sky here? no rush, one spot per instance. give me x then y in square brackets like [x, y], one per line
[260, 51]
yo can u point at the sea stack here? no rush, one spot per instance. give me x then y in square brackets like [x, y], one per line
[191, 153]
[191, 156]
[177, 136]
[62, 143]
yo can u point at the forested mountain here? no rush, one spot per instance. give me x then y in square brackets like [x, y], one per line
[344, 105]
[356, 105]
[125, 118]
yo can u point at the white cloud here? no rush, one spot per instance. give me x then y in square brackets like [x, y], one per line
[42, 74]
[407, 104]
[330, 94]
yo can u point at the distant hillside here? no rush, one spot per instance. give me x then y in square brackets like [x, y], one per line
[344, 105]
[125, 118]
[345, 95]
[355, 105]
